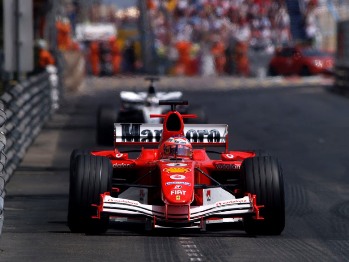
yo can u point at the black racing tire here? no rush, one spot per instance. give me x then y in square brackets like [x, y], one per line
[132, 116]
[91, 176]
[305, 71]
[201, 116]
[263, 177]
[74, 154]
[242, 176]
[272, 71]
[261, 152]
[106, 117]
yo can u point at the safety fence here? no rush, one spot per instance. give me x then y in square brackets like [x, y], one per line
[24, 109]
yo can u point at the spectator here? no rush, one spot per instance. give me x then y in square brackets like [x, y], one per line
[43, 56]
[129, 57]
[63, 33]
[311, 27]
[94, 57]
[218, 52]
[116, 55]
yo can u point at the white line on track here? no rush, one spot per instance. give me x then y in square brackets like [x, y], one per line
[191, 249]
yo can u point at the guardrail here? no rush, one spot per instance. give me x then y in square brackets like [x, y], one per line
[24, 109]
[3, 177]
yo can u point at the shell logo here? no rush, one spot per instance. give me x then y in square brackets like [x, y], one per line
[177, 177]
[177, 170]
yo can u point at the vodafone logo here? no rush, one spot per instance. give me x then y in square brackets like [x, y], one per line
[177, 177]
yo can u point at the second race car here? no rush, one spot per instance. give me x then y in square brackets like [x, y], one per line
[136, 107]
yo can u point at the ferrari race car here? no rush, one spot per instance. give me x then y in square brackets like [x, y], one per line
[172, 182]
[136, 107]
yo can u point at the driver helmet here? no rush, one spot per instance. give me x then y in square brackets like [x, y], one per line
[177, 147]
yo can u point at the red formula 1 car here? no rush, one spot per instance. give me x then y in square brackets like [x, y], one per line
[172, 182]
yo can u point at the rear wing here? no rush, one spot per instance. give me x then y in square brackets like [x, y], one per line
[150, 134]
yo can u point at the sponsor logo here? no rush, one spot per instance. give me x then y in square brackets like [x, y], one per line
[176, 164]
[177, 170]
[119, 155]
[178, 187]
[134, 133]
[178, 192]
[210, 136]
[123, 165]
[122, 201]
[208, 195]
[227, 166]
[178, 198]
[232, 202]
[177, 177]
[178, 183]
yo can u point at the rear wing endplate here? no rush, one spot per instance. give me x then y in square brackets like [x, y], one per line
[150, 134]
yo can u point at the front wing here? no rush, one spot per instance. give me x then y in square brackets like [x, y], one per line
[231, 208]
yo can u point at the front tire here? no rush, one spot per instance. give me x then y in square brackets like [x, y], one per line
[263, 177]
[90, 177]
[74, 154]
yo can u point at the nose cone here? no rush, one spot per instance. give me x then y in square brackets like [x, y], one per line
[177, 182]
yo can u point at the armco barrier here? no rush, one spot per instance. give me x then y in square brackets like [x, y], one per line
[2, 162]
[24, 109]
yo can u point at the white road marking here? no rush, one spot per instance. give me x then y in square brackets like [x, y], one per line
[191, 249]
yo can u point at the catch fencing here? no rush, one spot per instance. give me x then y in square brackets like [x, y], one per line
[24, 109]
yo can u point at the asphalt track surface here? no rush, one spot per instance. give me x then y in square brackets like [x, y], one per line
[305, 125]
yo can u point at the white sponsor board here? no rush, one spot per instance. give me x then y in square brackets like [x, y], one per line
[151, 133]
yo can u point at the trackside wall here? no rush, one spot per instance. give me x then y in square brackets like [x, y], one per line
[341, 71]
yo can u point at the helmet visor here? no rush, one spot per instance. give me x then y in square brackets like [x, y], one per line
[177, 151]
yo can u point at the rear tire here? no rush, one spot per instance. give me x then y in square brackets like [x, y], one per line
[263, 177]
[90, 177]
[272, 71]
[132, 116]
[305, 71]
[106, 117]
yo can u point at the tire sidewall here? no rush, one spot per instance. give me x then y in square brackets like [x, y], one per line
[90, 177]
[263, 177]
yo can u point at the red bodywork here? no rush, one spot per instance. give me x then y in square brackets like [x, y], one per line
[175, 190]
[301, 61]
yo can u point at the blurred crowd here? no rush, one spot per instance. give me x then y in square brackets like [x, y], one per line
[311, 14]
[213, 37]
[195, 37]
